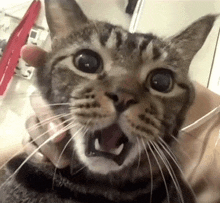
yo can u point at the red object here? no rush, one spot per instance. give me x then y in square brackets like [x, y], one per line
[18, 38]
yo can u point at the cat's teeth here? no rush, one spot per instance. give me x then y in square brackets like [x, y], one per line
[97, 145]
[118, 150]
[115, 151]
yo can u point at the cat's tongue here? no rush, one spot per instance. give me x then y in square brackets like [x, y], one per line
[110, 138]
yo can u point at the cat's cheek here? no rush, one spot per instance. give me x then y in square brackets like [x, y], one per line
[93, 113]
[143, 121]
[93, 120]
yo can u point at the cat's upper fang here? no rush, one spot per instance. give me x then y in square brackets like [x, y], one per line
[115, 151]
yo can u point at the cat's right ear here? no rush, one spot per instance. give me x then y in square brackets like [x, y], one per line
[63, 17]
[190, 40]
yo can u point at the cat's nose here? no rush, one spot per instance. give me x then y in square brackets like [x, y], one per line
[122, 100]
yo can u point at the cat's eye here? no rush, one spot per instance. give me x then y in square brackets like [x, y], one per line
[161, 80]
[88, 61]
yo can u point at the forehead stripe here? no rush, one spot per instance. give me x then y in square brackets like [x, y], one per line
[118, 39]
[156, 54]
[105, 34]
[143, 46]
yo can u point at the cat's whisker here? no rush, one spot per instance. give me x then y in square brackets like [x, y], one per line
[71, 169]
[56, 104]
[72, 137]
[202, 141]
[32, 141]
[167, 149]
[47, 120]
[64, 148]
[26, 145]
[47, 131]
[139, 153]
[51, 105]
[69, 126]
[177, 140]
[76, 172]
[180, 147]
[61, 105]
[85, 127]
[151, 170]
[169, 168]
[160, 168]
[184, 152]
[198, 139]
[204, 144]
[74, 107]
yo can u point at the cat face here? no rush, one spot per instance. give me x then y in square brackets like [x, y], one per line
[125, 95]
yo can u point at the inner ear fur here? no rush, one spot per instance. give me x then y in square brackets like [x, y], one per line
[63, 17]
[189, 41]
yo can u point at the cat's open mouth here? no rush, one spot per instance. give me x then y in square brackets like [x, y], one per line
[110, 143]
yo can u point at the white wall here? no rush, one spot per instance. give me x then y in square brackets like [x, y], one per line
[166, 17]
[9, 3]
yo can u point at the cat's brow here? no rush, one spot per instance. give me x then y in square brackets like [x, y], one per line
[105, 35]
[119, 39]
[57, 60]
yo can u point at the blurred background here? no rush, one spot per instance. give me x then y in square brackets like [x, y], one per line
[163, 18]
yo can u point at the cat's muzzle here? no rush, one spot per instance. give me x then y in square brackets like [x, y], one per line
[110, 143]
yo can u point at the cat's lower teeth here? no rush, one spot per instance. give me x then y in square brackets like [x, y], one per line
[115, 151]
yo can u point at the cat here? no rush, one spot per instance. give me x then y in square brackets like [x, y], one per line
[124, 98]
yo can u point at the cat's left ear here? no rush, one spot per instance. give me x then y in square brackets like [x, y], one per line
[63, 17]
[189, 41]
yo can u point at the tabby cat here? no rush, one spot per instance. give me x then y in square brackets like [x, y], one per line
[123, 98]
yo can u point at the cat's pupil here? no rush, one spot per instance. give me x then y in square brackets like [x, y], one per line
[88, 61]
[161, 81]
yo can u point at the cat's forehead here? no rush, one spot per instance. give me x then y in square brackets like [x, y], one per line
[116, 44]
[108, 36]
